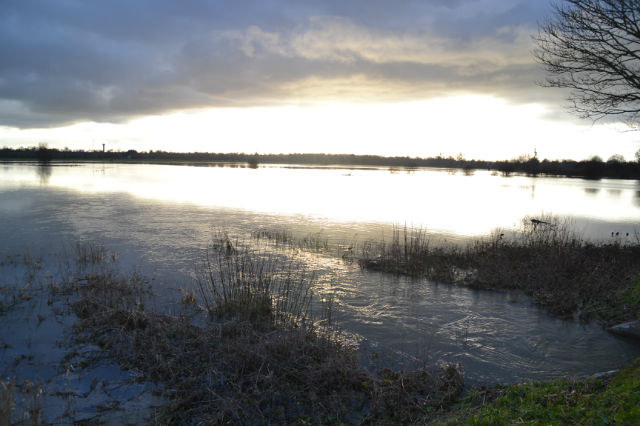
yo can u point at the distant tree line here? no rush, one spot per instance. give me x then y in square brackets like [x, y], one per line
[593, 168]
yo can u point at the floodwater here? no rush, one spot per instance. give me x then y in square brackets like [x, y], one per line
[158, 218]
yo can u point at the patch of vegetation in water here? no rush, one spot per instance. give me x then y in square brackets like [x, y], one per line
[215, 360]
[283, 237]
[556, 267]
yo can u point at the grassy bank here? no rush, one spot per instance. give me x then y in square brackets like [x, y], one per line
[556, 267]
[611, 400]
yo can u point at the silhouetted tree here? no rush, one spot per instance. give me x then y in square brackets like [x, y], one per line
[253, 162]
[592, 47]
[616, 158]
[593, 167]
[44, 154]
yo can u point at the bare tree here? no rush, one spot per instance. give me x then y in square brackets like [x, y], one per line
[592, 47]
[616, 158]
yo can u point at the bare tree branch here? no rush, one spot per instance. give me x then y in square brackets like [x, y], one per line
[592, 47]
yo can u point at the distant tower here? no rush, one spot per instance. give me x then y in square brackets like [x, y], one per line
[103, 147]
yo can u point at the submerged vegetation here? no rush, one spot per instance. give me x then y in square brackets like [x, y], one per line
[258, 357]
[556, 267]
[246, 349]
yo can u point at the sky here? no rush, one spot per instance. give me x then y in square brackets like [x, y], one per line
[404, 77]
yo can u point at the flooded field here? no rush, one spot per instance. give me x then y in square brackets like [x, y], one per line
[158, 219]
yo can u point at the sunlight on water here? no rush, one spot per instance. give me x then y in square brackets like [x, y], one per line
[440, 201]
[160, 218]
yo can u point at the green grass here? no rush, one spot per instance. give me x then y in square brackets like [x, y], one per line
[632, 296]
[611, 401]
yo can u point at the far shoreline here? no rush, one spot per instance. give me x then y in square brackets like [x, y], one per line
[593, 168]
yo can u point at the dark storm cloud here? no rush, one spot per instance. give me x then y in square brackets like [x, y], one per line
[65, 61]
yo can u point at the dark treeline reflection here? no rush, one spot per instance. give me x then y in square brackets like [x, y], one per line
[593, 168]
[44, 172]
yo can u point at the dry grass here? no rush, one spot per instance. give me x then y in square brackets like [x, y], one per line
[561, 271]
[231, 373]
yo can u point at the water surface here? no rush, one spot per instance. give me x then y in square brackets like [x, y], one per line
[444, 202]
[159, 218]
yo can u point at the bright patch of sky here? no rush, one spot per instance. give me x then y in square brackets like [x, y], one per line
[414, 78]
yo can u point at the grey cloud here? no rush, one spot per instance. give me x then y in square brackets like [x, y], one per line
[76, 60]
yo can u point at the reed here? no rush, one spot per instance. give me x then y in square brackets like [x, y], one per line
[314, 241]
[20, 403]
[279, 236]
[409, 252]
[239, 282]
[90, 253]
